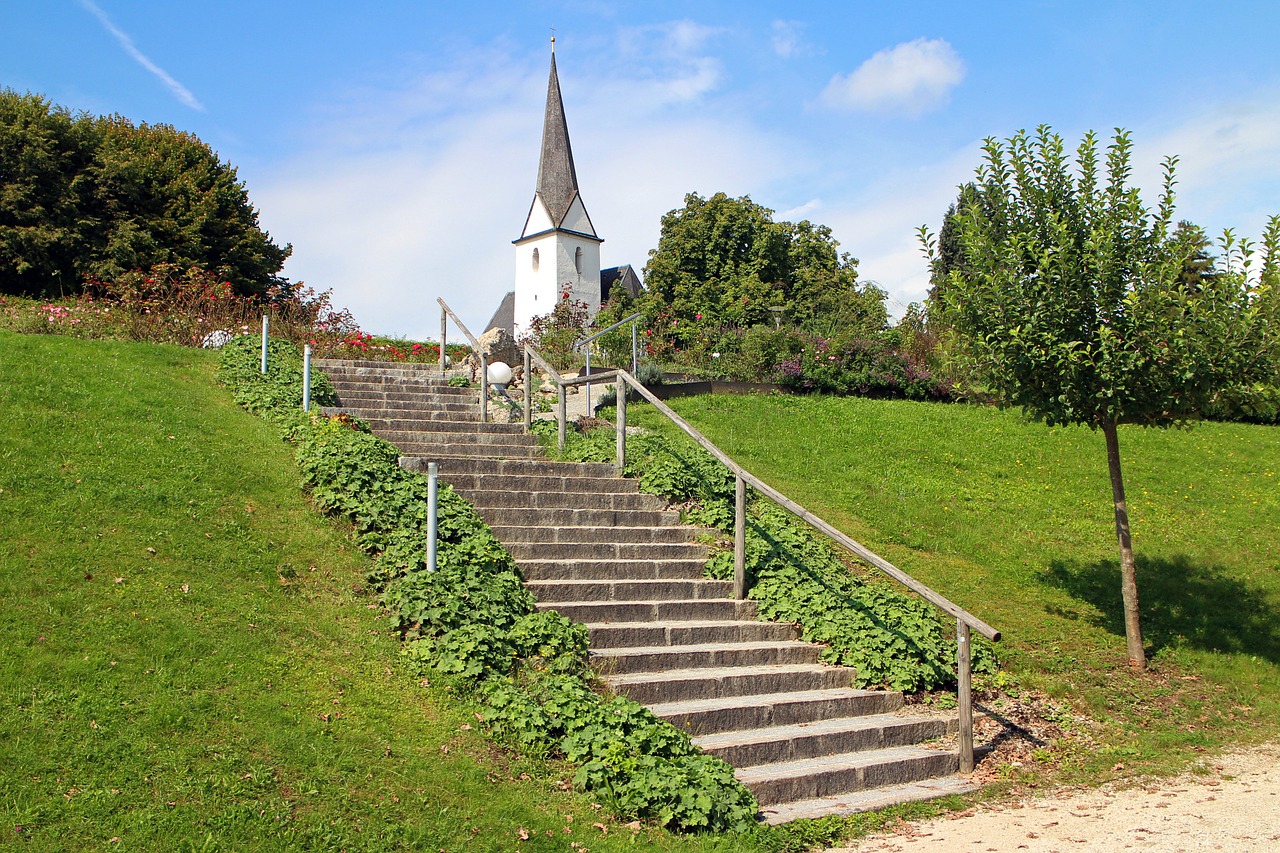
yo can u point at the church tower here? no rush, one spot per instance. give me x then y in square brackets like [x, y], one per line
[558, 251]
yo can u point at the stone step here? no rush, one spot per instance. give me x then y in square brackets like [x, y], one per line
[833, 775]
[516, 467]
[631, 612]
[425, 429]
[435, 449]
[738, 713]
[500, 498]
[747, 748]
[619, 518]
[588, 561]
[618, 635]
[463, 415]
[622, 590]
[403, 390]
[681, 685]
[874, 799]
[548, 482]
[660, 659]
[476, 434]
[518, 535]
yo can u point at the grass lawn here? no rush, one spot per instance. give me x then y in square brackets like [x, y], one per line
[1013, 521]
[190, 661]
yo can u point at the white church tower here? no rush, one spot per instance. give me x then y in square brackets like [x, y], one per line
[558, 251]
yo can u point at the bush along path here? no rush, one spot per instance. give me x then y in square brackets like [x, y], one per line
[595, 549]
[474, 623]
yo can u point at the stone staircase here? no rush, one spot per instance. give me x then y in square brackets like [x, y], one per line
[595, 549]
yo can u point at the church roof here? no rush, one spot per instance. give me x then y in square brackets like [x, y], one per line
[557, 179]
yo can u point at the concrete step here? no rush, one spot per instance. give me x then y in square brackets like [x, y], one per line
[519, 535]
[682, 685]
[631, 612]
[563, 568]
[517, 468]
[756, 711]
[587, 561]
[546, 482]
[430, 450]
[460, 415]
[500, 498]
[618, 635]
[774, 744]
[425, 429]
[659, 659]
[622, 590]
[405, 392]
[617, 518]
[833, 775]
[476, 434]
[874, 799]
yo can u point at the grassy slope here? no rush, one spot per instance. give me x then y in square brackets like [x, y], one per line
[189, 660]
[1013, 521]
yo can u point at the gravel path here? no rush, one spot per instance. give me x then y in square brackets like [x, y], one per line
[1235, 807]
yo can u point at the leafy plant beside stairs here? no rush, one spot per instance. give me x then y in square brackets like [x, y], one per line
[474, 623]
[890, 638]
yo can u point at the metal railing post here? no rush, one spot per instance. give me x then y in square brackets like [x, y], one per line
[621, 393]
[739, 537]
[528, 391]
[306, 377]
[264, 343]
[433, 471]
[588, 353]
[561, 413]
[484, 387]
[444, 328]
[964, 679]
[635, 358]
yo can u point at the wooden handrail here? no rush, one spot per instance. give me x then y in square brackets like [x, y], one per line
[965, 621]
[446, 311]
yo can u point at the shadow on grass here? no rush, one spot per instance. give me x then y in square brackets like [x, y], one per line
[1183, 603]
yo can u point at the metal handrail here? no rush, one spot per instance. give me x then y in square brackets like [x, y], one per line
[965, 621]
[445, 313]
[635, 358]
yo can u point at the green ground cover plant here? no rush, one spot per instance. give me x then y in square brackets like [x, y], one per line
[999, 515]
[889, 637]
[473, 624]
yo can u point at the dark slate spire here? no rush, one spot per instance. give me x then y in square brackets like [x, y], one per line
[557, 180]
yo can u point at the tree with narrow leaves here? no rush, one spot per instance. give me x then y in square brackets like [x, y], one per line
[1072, 304]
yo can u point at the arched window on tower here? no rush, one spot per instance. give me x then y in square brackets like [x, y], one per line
[535, 260]
[577, 260]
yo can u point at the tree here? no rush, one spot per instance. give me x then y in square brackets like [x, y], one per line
[726, 259]
[96, 197]
[1073, 306]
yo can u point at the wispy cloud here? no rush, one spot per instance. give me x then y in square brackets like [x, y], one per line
[182, 93]
[787, 41]
[909, 79]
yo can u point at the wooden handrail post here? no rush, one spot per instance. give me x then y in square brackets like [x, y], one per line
[561, 413]
[964, 678]
[528, 391]
[739, 537]
[621, 392]
[444, 328]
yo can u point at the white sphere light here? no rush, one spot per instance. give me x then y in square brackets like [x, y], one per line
[499, 373]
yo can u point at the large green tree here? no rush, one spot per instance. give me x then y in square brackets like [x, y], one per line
[726, 258]
[1072, 303]
[95, 197]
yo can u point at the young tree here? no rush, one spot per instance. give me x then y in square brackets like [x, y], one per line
[1072, 304]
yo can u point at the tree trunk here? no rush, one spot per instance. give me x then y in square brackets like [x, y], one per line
[1128, 575]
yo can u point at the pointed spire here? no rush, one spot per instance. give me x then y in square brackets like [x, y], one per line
[557, 180]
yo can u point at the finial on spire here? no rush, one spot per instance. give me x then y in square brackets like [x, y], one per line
[553, 41]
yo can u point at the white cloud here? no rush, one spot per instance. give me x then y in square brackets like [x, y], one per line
[908, 79]
[182, 93]
[787, 38]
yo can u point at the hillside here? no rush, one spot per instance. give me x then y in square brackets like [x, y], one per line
[192, 660]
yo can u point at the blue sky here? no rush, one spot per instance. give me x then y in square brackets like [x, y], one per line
[395, 144]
